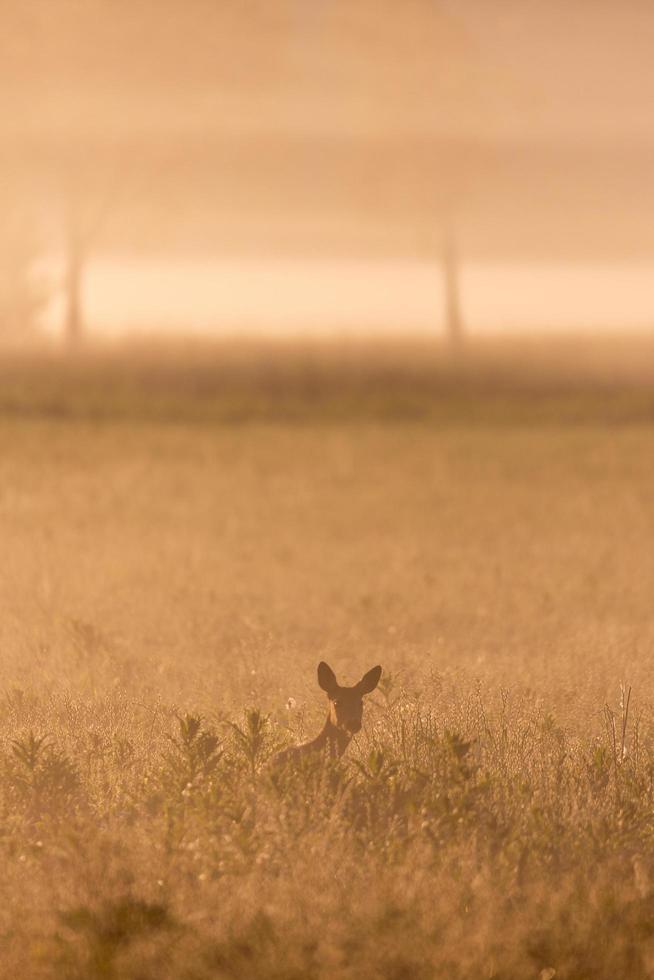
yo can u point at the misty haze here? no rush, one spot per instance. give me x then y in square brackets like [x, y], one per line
[326, 489]
[507, 148]
[355, 297]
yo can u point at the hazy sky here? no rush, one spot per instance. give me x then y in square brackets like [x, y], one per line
[497, 67]
[340, 129]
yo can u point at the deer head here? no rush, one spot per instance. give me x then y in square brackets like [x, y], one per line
[346, 703]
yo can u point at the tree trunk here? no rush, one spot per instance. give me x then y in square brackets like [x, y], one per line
[74, 323]
[454, 328]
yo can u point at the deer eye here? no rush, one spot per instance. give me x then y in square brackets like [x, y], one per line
[335, 702]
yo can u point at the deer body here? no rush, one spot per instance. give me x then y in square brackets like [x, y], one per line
[343, 721]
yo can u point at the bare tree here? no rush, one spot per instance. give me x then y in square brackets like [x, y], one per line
[93, 181]
[452, 304]
[23, 290]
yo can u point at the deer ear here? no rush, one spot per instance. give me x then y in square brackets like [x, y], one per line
[370, 680]
[326, 678]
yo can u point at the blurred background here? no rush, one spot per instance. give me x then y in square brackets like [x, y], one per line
[309, 168]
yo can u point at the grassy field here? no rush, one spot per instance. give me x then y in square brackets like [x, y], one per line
[186, 533]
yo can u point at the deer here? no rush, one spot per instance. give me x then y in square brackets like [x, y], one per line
[343, 720]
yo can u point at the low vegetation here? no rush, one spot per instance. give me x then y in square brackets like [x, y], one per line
[461, 837]
[168, 587]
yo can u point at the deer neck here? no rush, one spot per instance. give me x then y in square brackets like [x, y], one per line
[332, 740]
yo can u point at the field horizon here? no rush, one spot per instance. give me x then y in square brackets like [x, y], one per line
[533, 378]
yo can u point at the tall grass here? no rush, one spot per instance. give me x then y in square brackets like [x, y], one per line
[463, 836]
[169, 583]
